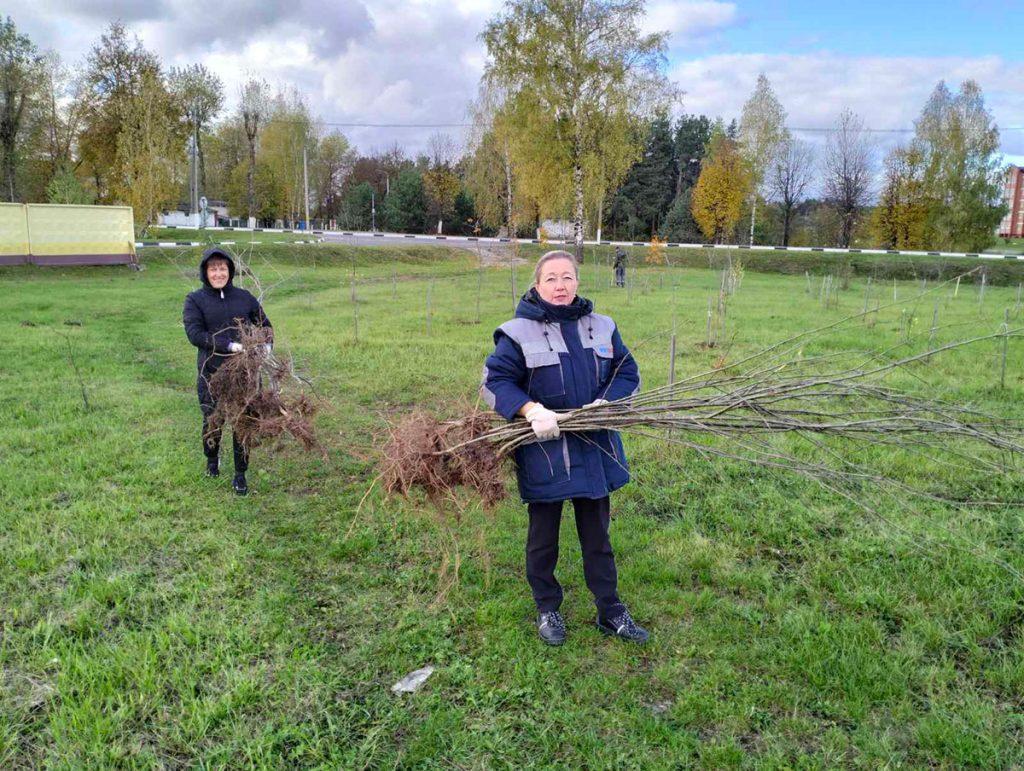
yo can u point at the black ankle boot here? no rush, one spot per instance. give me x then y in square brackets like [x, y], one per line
[624, 627]
[551, 627]
[239, 484]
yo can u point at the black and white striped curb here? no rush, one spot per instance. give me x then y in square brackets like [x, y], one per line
[165, 244]
[558, 242]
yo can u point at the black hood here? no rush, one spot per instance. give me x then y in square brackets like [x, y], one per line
[216, 252]
[531, 306]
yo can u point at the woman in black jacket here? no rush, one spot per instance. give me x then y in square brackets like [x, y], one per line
[211, 316]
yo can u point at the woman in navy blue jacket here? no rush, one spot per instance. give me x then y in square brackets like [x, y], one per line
[557, 354]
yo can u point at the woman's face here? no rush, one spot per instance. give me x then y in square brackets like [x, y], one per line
[217, 273]
[557, 284]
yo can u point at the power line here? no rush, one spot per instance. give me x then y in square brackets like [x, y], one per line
[811, 129]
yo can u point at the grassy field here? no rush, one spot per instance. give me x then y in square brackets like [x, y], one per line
[149, 618]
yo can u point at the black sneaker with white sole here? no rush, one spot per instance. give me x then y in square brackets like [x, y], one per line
[239, 484]
[212, 468]
[551, 627]
[624, 627]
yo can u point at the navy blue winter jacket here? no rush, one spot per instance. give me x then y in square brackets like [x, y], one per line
[209, 315]
[562, 357]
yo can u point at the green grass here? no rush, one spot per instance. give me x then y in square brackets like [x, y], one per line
[1008, 246]
[149, 618]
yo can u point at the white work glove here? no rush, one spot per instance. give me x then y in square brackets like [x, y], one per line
[234, 347]
[543, 422]
[595, 403]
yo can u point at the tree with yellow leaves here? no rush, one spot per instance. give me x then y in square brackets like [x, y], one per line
[723, 186]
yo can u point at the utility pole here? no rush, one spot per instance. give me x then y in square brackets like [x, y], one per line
[373, 212]
[305, 184]
[193, 203]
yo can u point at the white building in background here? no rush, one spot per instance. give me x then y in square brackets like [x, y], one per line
[559, 230]
[217, 215]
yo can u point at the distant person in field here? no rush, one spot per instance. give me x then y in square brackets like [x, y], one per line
[620, 266]
[557, 354]
[211, 317]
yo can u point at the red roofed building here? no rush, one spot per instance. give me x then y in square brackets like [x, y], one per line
[1012, 225]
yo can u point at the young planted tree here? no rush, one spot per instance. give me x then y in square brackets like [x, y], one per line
[19, 75]
[573, 69]
[723, 185]
[848, 165]
[253, 105]
[789, 177]
[762, 132]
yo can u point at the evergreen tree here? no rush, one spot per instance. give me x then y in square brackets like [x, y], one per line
[405, 210]
[690, 143]
[680, 226]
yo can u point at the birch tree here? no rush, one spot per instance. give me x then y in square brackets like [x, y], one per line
[762, 132]
[575, 70]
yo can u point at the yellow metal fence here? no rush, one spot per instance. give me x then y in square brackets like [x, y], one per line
[56, 234]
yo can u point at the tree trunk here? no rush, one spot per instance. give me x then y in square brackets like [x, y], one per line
[202, 159]
[753, 213]
[577, 189]
[509, 216]
[249, 180]
[787, 215]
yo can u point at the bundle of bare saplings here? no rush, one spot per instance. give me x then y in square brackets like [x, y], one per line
[260, 396]
[834, 419]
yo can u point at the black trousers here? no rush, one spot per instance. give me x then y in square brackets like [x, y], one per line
[593, 515]
[211, 439]
[620, 277]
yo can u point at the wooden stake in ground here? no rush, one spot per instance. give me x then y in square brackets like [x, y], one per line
[479, 289]
[1005, 341]
[935, 324]
[355, 310]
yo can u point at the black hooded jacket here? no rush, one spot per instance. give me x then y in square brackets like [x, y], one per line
[210, 314]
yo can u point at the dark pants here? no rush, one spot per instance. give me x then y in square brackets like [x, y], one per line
[211, 439]
[620, 277]
[592, 519]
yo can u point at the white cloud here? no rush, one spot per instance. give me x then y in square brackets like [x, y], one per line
[888, 92]
[688, 22]
[419, 61]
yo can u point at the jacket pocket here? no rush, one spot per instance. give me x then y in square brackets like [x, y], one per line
[546, 462]
[545, 378]
[603, 355]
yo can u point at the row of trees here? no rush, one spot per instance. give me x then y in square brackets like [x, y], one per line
[572, 121]
[123, 129]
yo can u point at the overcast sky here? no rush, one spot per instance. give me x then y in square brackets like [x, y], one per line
[418, 61]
